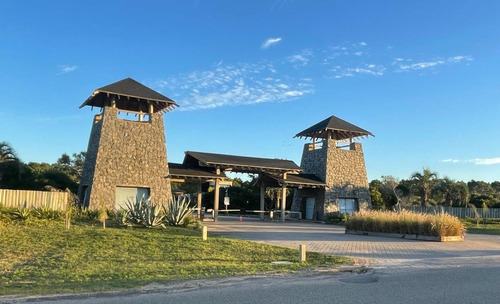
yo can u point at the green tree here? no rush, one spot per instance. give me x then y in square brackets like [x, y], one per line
[7, 153]
[424, 182]
[9, 166]
[447, 191]
[464, 193]
[377, 200]
[71, 165]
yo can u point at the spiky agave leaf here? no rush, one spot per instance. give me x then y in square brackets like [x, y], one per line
[178, 208]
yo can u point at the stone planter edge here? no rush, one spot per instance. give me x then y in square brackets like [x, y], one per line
[409, 236]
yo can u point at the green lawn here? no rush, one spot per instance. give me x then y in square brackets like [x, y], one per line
[43, 258]
[492, 226]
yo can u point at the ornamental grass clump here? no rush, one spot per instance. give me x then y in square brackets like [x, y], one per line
[406, 222]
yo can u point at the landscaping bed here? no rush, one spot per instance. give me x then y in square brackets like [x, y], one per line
[409, 236]
[405, 224]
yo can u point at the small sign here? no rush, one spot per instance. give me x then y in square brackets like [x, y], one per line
[226, 201]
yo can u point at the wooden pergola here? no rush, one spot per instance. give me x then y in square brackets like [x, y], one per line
[272, 172]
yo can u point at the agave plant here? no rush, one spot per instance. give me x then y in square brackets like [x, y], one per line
[145, 212]
[178, 210]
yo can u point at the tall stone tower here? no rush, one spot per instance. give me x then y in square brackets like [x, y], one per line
[126, 155]
[339, 162]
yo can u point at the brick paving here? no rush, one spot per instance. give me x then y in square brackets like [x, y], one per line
[372, 251]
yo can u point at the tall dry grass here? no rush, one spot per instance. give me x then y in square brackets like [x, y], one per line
[406, 222]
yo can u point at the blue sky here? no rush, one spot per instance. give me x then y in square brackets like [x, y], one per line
[422, 76]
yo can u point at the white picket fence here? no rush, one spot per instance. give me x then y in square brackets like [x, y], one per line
[33, 199]
[457, 211]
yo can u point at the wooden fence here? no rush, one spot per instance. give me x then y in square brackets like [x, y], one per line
[33, 199]
[457, 211]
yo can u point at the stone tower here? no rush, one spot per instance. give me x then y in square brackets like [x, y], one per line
[126, 155]
[339, 162]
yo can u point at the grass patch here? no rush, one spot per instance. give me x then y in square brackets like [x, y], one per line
[42, 257]
[486, 226]
[406, 222]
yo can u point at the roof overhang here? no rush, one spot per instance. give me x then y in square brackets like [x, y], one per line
[241, 164]
[291, 181]
[181, 173]
[132, 96]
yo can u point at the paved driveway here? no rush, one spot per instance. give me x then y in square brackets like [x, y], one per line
[376, 252]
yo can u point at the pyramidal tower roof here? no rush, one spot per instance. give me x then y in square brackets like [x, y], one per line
[130, 95]
[334, 128]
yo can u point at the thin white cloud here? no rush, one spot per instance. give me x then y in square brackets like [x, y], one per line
[300, 59]
[475, 161]
[269, 42]
[367, 69]
[421, 65]
[407, 65]
[486, 161]
[232, 85]
[362, 43]
[458, 59]
[63, 69]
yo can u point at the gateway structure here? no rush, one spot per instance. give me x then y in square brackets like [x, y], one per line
[338, 161]
[127, 159]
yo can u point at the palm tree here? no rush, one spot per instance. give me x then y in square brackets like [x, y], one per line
[448, 189]
[275, 194]
[7, 153]
[424, 183]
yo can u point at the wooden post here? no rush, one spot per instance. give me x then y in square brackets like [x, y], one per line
[204, 233]
[302, 253]
[262, 200]
[199, 200]
[216, 200]
[283, 203]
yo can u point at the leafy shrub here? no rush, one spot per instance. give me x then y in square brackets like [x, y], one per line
[46, 213]
[178, 210]
[22, 214]
[406, 222]
[145, 212]
[336, 218]
[85, 214]
[122, 217]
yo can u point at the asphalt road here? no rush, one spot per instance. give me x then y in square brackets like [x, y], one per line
[440, 285]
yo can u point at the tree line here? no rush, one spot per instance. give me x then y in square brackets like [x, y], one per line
[62, 175]
[421, 189]
[427, 189]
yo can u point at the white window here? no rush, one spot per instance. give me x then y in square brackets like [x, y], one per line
[348, 205]
[124, 194]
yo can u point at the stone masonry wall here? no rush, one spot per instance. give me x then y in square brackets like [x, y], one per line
[343, 171]
[346, 176]
[128, 154]
[313, 162]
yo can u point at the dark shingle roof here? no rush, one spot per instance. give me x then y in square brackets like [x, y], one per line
[240, 163]
[181, 171]
[339, 129]
[292, 180]
[130, 95]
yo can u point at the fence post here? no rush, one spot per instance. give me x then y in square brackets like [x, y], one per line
[204, 233]
[302, 253]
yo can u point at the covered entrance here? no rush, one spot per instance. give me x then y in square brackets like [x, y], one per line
[277, 173]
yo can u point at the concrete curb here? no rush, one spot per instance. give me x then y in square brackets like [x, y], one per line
[409, 236]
